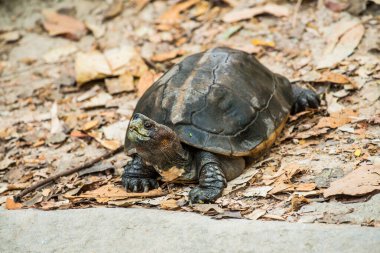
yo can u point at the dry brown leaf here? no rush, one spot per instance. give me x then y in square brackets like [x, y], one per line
[91, 66]
[273, 9]
[111, 192]
[145, 82]
[304, 187]
[332, 77]
[260, 191]
[172, 15]
[273, 217]
[58, 24]
[115, 8]
[207, 208]
[10, 204]
[240, 181]
[256, 214]
[121, 84]
[337, 119]
[281, 187]
[264, 43]
[110, 144]
[168, 55]
[90, 125]
[169, 204]
[363, 180]
[344, 47]
[297, 202]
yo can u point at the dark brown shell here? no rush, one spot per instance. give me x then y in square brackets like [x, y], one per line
[222, 100]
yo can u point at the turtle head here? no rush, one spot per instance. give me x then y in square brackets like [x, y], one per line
[154, 142]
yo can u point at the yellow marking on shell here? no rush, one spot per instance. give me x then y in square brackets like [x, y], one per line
[172, 174]
[265, 145]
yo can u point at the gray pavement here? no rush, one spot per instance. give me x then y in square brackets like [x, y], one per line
[144, 230]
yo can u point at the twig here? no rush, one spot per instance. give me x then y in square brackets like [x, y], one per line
[298, 6]
[18, 197]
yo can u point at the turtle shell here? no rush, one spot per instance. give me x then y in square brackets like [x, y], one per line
[222, 100]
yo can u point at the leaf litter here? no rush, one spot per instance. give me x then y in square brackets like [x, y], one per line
[110, 67]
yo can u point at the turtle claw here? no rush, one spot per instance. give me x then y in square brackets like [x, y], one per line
[201, 195]
[139, 184]
[304, 98]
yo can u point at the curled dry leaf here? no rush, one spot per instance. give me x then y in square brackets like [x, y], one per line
[10, 204]
[58, 24]
[172, 15]
[273, 9]
[363, 180]
[115, 8]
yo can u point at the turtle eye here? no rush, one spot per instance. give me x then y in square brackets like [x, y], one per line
[148, 125]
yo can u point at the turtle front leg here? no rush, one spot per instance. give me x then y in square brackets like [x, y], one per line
[304, 98]
[138, 177]
[211, 179]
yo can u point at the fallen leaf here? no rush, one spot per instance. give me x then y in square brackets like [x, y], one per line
[121, 84]
[114, 9]
[172, 14]
[90, 125]
[120, 58]
[332, 77]
[99, 100]
[97, 29]
[258, 42]
[207, 208]
[56, 125]
[5, 163]
[168, 55]
[273, 9]
[36, 199]
[57, 53]
[170, 204]
[256, 214]
[110, 192]
[116, 131]
[304, 187]
[273, 217]
[343, 48]
[228, 215]
[260, 191]
[146, 80]
[337, 119]
[363, 180]
[58, 24]
[240, 181]
[110, 144]
[297, 202]
[97, 168]
[10, 36]
[91, 66]
[10, 204]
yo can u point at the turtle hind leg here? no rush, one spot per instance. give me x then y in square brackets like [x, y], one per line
[138, 177]
[211, 179]
[304, 98]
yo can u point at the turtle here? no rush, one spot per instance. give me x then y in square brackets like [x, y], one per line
[204, 119]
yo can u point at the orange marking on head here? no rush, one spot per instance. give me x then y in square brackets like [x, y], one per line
[165, 142]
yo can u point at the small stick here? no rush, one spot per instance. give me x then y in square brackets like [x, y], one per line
[18, 197]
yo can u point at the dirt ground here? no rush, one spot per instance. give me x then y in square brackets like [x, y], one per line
[72, 72]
